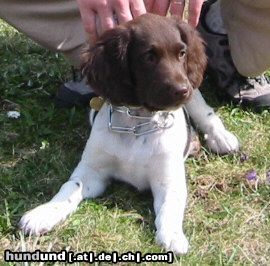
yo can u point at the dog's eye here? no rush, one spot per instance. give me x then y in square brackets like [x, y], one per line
[182, 53]
[150, 56]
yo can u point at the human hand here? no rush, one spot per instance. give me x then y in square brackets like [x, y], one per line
[176, 7]
[100, 15]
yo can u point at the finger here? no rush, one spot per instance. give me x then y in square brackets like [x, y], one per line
[177, 7]
[160, 7]
[98, 26]
[137, 8]
[149, 5]
[194, 11]
[106, 19]
[122, 11]
[89, 24]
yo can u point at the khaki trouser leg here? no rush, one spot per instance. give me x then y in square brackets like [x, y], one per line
[248, 26]
[54, 24]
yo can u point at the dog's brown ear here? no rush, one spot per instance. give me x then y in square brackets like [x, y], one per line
[106, 66]
[196, 57]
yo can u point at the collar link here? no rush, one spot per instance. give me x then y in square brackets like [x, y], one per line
[145, 124]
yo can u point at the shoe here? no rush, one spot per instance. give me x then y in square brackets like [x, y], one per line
[74, 93]
[252, 92]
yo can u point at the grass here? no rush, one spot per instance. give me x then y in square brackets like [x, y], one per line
[227, 218]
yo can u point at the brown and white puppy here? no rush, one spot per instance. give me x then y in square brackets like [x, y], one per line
[146, 70]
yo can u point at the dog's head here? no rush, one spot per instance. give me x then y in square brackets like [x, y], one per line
[152, 61]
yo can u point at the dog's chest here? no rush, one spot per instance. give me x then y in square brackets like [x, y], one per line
[138, 159]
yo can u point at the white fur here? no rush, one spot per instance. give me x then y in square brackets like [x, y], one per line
[217, 138]
[152, 161]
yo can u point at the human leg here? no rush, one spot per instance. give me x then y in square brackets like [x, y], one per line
[56, 25]
[223, 64]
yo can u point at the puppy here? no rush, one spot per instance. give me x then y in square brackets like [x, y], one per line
[146, 70]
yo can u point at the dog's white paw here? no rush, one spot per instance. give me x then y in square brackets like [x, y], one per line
[220, 140]
[42, 219]
[175, 242]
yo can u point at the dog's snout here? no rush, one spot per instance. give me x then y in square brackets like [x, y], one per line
[180, 90]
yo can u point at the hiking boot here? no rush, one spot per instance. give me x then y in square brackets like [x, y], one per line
[74, 93]
[253, 92]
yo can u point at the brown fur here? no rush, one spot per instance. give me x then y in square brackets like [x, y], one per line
[151, 61]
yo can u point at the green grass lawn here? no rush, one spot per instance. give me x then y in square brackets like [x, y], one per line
[227, 218]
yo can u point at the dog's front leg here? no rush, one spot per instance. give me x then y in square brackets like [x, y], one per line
[218, 139]
[44, 217]
[85, 182]
[170, 196]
